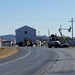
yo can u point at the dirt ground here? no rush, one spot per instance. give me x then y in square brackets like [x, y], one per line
[7, 51]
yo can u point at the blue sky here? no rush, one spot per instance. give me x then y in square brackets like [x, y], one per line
[40, 14]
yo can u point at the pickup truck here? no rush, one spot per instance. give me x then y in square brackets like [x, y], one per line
[54, 44]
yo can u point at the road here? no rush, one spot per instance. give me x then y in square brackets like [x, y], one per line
[40, 61]
[65, 64]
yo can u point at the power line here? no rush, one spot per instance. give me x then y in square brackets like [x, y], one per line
[36, 19]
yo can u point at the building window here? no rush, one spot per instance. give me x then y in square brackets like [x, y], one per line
[18, 37]
[18, 31]
[25, 32]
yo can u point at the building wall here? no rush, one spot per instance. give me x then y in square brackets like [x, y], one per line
[25, 32]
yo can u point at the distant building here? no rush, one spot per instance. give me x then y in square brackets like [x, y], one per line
[25, 33]
[4, 42]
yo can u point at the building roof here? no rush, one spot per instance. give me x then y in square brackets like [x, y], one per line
[25, 27]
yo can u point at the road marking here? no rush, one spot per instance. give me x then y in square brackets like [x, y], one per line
[54, 65]
[8, 72]
[16, 59]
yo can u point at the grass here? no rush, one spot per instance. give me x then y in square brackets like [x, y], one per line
[7, 51]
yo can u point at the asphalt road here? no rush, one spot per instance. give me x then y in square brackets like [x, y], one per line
[40, 61]
[65, 64]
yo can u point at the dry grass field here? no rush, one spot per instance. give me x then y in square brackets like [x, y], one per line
[7, 51]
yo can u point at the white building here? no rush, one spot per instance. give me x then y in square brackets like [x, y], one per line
[25, 32]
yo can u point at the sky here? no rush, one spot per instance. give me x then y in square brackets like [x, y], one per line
[43, 15]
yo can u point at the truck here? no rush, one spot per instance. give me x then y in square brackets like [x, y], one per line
[53, 42]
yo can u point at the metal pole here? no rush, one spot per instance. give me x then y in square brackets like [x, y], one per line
[72, 31]
[48, 33]
[60, 30]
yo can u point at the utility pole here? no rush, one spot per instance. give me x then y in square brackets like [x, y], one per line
[48, 32]
[72, 29]
[38, 33]
[60, 30]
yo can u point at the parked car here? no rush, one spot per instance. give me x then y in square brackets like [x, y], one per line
[64, 45]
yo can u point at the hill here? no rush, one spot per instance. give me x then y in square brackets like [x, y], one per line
[8, 37]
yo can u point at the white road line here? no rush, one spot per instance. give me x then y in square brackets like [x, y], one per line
[8, 72]
[16, 59]
[54, 65]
